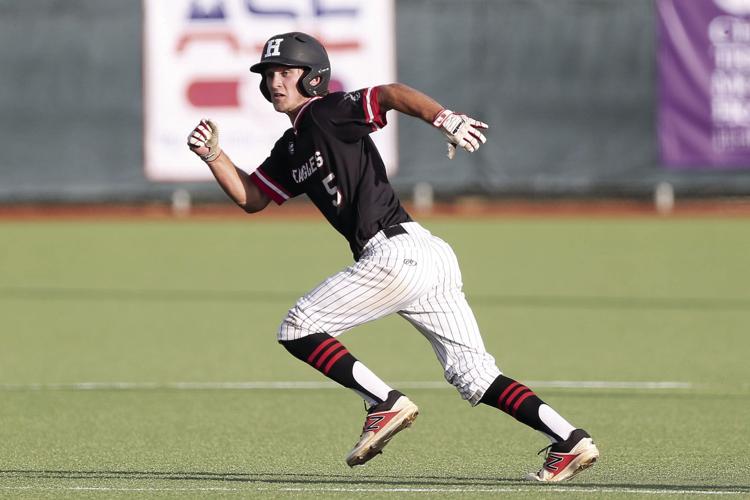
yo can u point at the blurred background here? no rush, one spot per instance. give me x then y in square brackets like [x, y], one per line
[585, 98]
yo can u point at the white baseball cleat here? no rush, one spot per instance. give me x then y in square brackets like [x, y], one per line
[567, 458]
[383, 421]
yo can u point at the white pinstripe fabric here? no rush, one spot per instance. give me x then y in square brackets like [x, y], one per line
[417, 276]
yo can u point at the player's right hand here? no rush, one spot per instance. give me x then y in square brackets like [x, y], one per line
[460, 130]
[204, 140]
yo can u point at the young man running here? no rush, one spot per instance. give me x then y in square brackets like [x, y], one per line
[400, 267]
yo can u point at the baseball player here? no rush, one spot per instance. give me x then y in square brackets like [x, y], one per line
[399, 266]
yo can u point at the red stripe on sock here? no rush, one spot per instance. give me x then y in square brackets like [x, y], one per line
[505, 393]
[519, 390]
[521, 400]
[323, 357]
[319, 348]
[333, 360]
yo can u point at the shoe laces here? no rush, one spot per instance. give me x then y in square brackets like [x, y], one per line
[546, 448]
[368, 410]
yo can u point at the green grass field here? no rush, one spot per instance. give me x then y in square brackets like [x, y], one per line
[137, 359]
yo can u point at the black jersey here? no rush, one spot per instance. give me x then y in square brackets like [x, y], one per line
[329, 156]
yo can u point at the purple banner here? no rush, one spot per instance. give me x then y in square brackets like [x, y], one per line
[704, 83]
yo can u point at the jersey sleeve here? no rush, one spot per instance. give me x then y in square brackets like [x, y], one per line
[273, 178]
[352, 115]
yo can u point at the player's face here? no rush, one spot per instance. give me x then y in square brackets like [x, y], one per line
[281, 82]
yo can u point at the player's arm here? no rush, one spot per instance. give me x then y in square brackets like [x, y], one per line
[409, 101]
[204, 141]
[459, 129]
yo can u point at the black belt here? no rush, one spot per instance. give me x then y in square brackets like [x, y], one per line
[392, 231]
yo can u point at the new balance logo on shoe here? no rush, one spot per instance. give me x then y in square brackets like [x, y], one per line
[377, 421]
[551, 462]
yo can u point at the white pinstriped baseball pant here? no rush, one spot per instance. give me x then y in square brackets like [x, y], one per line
[417, 276]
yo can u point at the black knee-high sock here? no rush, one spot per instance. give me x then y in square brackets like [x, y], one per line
[332, 359]
[521, 403]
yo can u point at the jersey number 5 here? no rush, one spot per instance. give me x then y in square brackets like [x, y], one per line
[330, 184]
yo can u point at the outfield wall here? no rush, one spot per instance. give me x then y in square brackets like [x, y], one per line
[568, 88]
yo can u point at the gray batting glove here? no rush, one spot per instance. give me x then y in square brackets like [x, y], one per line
[204, 140]
[460, 130]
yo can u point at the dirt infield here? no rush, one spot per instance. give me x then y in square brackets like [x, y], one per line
[464, 208]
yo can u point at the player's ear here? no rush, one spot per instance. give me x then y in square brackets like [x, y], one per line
[315, 81]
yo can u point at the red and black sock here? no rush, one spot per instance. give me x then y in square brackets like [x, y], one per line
[519, 402]
[332, 359]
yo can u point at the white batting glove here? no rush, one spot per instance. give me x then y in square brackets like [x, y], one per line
[460, 130]
[204, 140]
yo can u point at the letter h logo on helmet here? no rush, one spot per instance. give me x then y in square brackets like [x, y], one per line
[273, 47]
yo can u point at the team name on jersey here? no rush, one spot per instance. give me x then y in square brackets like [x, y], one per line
[308, 168]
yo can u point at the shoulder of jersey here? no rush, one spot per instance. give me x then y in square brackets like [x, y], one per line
[325, 100]
[334, 100]
[324, 104]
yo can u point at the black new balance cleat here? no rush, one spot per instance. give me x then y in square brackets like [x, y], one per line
[383, 421]
[567, 458]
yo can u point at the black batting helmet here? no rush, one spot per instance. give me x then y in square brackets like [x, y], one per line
[296, 49]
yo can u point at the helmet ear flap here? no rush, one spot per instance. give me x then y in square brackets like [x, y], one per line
[264, 89]
[312, 90]
[303, 85]
[307, 89]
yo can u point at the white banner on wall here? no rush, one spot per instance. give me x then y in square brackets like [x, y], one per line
[197, 55]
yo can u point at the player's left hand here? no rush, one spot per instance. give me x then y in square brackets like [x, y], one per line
[460, 130]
